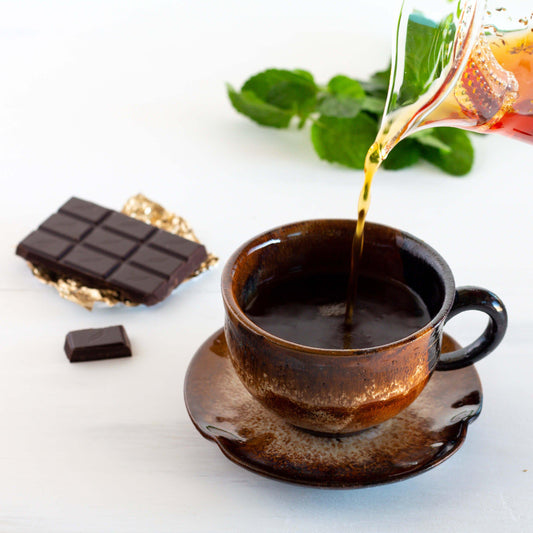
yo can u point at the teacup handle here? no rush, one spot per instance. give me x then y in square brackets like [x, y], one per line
[475, 298]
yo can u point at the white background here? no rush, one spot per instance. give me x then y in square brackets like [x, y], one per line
[106, 99]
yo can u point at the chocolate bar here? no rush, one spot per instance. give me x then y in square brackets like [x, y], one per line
[95, 344]
[105, 249]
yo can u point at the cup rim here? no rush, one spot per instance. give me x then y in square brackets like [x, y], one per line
[232, 306]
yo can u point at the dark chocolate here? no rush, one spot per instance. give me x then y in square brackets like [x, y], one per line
[108, 250]
[95, 344]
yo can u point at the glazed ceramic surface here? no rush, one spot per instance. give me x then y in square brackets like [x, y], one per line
[427, 432]
[342, 391]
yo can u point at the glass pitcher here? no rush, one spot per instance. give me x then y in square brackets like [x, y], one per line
[465, 63]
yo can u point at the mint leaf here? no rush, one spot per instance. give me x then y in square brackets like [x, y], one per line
[344, 140]
[292, 97]
[343, 85]
[404, 154]
[378, 84]
[293, 91]
[428, 138]
[304, 74]
[427, 50]
[373, 104]
[344, 98]
[262, 83]
[249, 104]
[458, 159]
[339, 106]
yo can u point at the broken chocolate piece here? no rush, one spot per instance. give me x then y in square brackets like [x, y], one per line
[95, 344]
[105, 249]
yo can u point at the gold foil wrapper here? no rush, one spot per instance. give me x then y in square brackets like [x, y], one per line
[142, 209]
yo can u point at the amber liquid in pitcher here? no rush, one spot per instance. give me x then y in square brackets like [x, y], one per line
[481, 101]
[495, 91]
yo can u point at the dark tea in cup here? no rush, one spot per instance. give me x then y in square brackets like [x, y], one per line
[310, 309]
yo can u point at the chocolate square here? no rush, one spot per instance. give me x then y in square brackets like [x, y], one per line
[111, 243]
[157, 262]
[66, 226]
[86, 210]
[91, 261]
[46, 244]
[174, 244]
[128, 226]
[97, 343]
[136, 279]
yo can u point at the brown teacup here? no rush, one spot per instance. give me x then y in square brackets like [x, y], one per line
[341, 390]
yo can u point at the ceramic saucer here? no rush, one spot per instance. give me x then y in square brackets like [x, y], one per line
[426, 433]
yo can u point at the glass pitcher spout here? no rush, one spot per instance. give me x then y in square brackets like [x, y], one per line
[466, 64]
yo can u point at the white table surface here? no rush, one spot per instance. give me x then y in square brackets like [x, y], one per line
[106, 99]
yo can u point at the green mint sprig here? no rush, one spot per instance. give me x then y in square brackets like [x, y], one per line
[344, 117]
